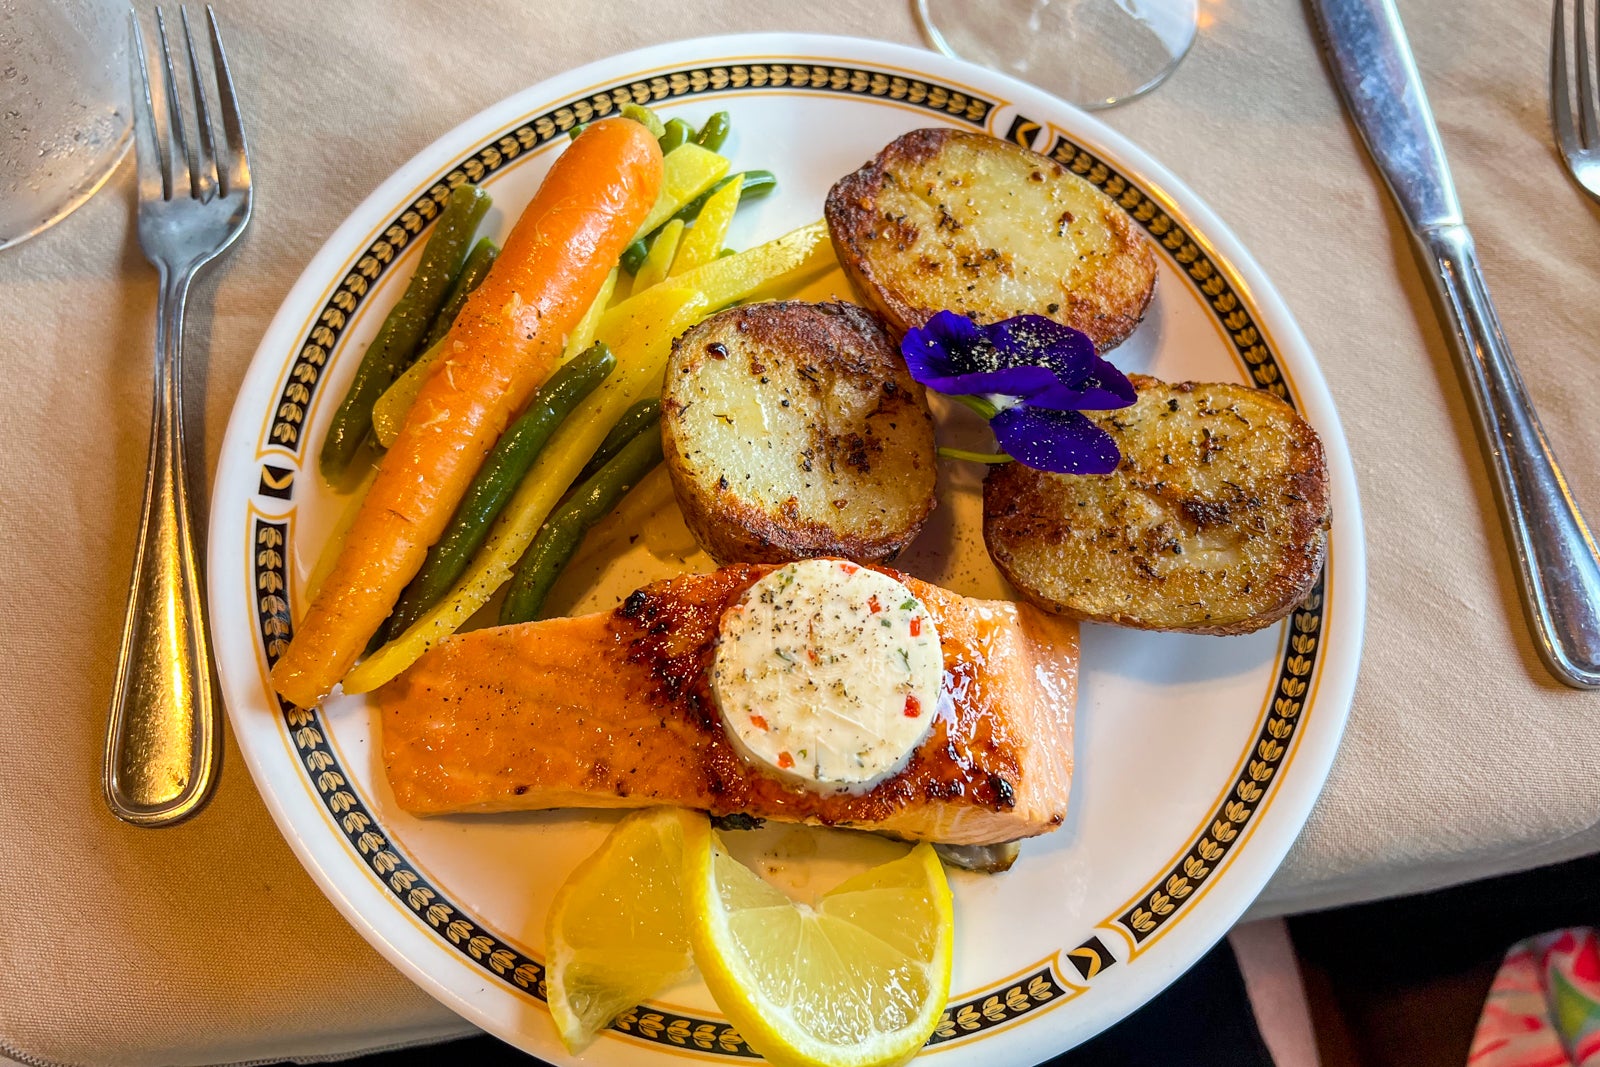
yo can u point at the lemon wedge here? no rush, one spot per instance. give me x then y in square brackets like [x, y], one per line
[617, 931]
[858, 980]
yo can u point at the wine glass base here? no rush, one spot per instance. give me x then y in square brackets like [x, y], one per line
[1092, 53]
[15, 230]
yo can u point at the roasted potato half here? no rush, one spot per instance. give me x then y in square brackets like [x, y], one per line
[793, 430]
[1215, 522]
[945, 219]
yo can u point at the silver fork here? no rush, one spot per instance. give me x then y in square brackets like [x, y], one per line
[1580, 144]
[161, 745]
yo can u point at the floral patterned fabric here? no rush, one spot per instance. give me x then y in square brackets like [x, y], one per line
[1544, 1007]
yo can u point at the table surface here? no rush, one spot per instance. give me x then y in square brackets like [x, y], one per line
[208, 943]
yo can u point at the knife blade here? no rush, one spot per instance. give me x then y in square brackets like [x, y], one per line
[1377, 75]
[1557, 562]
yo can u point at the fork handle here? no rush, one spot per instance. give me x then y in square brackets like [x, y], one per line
[161, 743]
[1558, 566]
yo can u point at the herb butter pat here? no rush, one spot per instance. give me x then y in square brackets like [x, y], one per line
[828, 674]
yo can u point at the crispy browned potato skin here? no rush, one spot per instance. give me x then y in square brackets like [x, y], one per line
[794, 430]
[1215, 522]
[944, 219]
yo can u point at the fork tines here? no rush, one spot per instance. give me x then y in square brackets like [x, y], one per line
[213, 165]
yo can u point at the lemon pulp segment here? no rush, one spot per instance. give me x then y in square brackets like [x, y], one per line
[858, 980]
[617, 931]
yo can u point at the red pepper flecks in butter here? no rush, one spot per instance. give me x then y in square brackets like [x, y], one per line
[822, 672]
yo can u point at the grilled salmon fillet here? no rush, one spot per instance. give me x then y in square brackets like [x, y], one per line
[614, 710]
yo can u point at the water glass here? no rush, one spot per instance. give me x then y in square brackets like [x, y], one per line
[1093, 53]
[64, 114]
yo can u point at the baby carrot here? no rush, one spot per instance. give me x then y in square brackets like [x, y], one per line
[506, 341]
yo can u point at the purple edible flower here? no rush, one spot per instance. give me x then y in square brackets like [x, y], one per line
[1036, 375]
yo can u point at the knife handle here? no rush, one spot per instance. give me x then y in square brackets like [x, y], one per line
[1558, 565]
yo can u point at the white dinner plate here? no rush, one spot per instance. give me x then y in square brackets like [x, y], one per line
[1198, 758]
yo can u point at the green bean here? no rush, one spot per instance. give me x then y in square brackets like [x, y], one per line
[645, 117]
[559, 538]
[715, 131]
[572, 134]
[757, 183]
[645, 413]
[496, 481]
[479, 260]
[633, 256]
[397, 339]
[678, 132]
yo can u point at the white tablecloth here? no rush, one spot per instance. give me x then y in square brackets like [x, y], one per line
[208, 943]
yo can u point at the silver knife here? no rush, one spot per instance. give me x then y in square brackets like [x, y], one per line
[1557, 561]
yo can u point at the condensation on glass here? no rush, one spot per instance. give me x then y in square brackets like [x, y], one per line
[64, 117]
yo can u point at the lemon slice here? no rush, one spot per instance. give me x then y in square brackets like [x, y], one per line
[617, 931]
[859, 980]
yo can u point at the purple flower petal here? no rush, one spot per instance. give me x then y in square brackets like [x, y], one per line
[1035, 339]
[1083, 381]
[1028, 356]
[1099, 391]
[1064, 442]
[951, 354]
